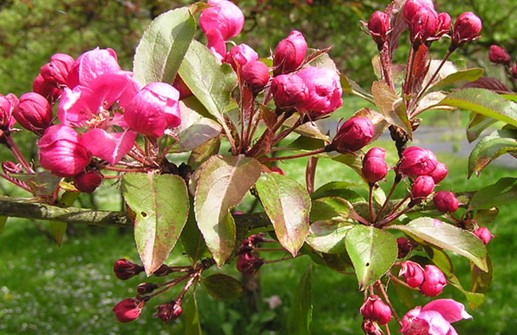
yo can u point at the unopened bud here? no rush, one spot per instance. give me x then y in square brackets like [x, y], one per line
[11, 167]
[375, 309]
[422, 187]
[379, 27]
[88, 182]
[125, 269]
[466, 28]
[413, 273]
[169, 311]
[33, 112]
[57, 69]
[240, 55]
[146, 288]
[434, 281]
[417, 161]
[354, 134]
[498, 55]
[7, 105]
[422, 20]
[483, 234]
[289, 53]
[248, 263]
[404, 247]
[163, 270]
[256, 76]
[445, 202]
[374, 165]
[128, 310]
[439, 173]
[443, 25]
[371, 327]
[288, 90]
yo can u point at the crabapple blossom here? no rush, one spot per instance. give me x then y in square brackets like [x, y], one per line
[498, 55]
[422, 187]
[240, 55]
[324, 91]
[7, 105]
[417, 161]
[33, 112]
[91, 65]
[56, 71]
[128, 310]
[379, 27]
[466, 28]
[374, 165]
[439, 173]
[256, 75]
[375, 309]
[88, 182]
[289, 53]
[354, 134]
[288, 90]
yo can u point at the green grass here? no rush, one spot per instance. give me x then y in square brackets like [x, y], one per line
[71, 290]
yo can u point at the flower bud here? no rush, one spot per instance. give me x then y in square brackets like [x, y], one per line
[371, 328]
[422, 187]
[354, 134]
[439, 173]
[61, 151]
[413, 273]
[404, 247]
[88, 182]
[256, 76]
[417, 161]
[466, 28]
[375, 309]
[56, 71]
[33, 112]
[125, 269]
[445, 202]
[434, 281]
[498, 55]
[443, 25]
[374, 165]
[248, 263]
[240, 55]
[182, 88]
[514, 71]
[288, 90]
[146, 288]
[154, 109]
[7, 105]
[128, 310]
[422, 20]
[483, 234]
[169, 311]
[163, 270]
[379, 27]
[324, 88]
[289, 53]
[46, 88]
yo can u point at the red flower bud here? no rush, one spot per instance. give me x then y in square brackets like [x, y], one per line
[443, 25]
[404, 246]
[417, 161]
[169, 311]
[413, 273]
[483, 234]
[146, 288]
[125, 269]
[7, 105]
[324, 88]
[375, 309]
[374, 165]
[288, 90]
[128, 310]
[371, 328]
[498, 55]
[439, 173]
[422, 187]
[434, 281]
[11, 167]
[289, 53]
[56, 71]
[422, 20]
[46, 88]
[88, 182]
[248, 263]
[354, 134]
[33, 112]
[466, 28]
[163, 270]
[256, 75]
[379, 27]
[445, 202]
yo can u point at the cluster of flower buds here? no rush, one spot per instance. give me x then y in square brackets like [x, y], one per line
[170, 311]
[248, 262]
[498, 55]
[376, 310]
[430, 281]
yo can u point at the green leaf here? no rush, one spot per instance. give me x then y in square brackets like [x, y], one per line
[287, 205]
[159, 221]
[470, 75]
[372, 251]
[330, 208]
[477, 124]
[192, 240]
[40, 183]
[447, 237]
[206, 150]
[58, 231]
[391, 106]
[501, 193]
[475, 299]
[223, 287]
[299, 319]
[209, 80]
[328, 236]
[191, 317]
[484, 102]
[490, 147]
[482, 280]
[348, 191]
[3, 220]
[222, 183]
[351, 87]
[163, 46]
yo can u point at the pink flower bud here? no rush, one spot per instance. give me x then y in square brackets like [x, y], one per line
[417, 161]
[498, 55]
[220, 22]
[445, 202]
[7, 105]
[125, 269]
[169, 311]
[379, 27]
[56, 71]
[248, 263]
[278, 170]
[375, 309]
[404, 247]
[324, 89]
[46, 88]
[422, 187]
[146, 288]
[466, 28]
[256, 76]
[289, 53]
[61, 151]
[483, 234]
[443, 25]
[374, 164]
[371, 327]
[434, 281]
[154, 109]
[288, 90]
[88, 182]
[33, 112]
[514, 71]
[240, 55]
[128, 310]
[439, 173]
[422, 20]
[91, 65]
[354, 134]
[413, 273]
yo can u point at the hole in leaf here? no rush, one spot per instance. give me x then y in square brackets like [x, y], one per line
[144, 214]
[368, 264]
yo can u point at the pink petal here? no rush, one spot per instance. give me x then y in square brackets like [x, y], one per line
[109, 146]
[451, 310]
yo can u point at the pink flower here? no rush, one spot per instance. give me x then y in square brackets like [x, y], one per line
[445, 202]
[154, 109]
[288, 90]
[498, 55]
[61, 151]
[417, 161]
[109, 146]
[422, 20]
[128, 310]
[354, 134]
[92, 64]
[289, 53]
[240, 55]
[220, 22]
[435, 318]
[374, 165]
[413, 273]
[483, 234]
[7, 105]
[434, 281]
[422, 187]
[33, 112]
[375, 309]
[379, 27]
[324, 89]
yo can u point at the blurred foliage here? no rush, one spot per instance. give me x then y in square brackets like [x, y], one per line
[32, 30]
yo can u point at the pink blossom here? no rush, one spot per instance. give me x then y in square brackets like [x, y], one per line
[109, 146]
[466, 28]
[289, 53]
[499, 55]
[288, 90]
[434, 281]
[422, 187]
[89, 181]
[374, 165]
[375, 309]
[92, 64]
[417, 161]
[324, 89]
[62, 152]
[7, 105]
[256, 75]
[379, 27]
[220, 22]
[33, 112]
[445, 202]
[240, 55]
[154, 109]
[435, 318]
